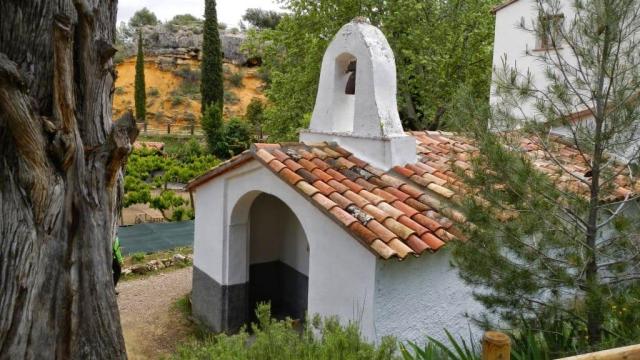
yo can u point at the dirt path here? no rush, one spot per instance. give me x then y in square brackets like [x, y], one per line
[151, 324]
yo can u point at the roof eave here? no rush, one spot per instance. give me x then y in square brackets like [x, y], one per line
[502, 6]
[229, 165]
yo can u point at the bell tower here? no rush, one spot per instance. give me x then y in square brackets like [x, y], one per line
[356, 102]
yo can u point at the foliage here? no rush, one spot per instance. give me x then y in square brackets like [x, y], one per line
[148, 170]
[274, 339]
[565, 252]
[255, 115]
[140, 96]
[237, 134]
[262, 19]
[176, 100]
[436, 350]
[120, 90]
[153, 92]
[236, 79]
[231, 98]
[255, 112]
[137, 257]
[185, 20]
[449, 43]
[212, 82]
[143, 17]
[213, 127]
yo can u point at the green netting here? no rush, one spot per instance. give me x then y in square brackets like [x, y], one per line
[155, 237]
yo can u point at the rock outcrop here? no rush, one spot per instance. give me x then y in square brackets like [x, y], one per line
[171, 43]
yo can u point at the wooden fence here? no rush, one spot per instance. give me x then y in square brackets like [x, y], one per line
[497, 346]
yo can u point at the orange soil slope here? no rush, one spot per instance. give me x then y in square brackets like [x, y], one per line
[167, 82]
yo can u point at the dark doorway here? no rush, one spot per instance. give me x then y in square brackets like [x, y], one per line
[279, 259]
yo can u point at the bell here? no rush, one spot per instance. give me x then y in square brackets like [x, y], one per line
[350, 89]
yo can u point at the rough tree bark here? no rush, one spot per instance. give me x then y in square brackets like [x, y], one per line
[60, 179]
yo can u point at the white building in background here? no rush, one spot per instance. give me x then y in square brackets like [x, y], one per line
[521, 49]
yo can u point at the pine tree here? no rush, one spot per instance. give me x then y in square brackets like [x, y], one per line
[567, 252]
[140, 95]
[212, 81]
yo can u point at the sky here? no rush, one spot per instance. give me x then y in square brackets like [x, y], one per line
[229, 11]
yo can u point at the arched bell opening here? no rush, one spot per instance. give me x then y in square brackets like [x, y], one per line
[344, 91]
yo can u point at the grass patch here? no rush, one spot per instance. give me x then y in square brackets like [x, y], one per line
[236, 79]
[137, 257]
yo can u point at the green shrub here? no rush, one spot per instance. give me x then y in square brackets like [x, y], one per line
[436, 350]
[230, 98]
[176, 100]
[236, 79]
[120, 90]
[153, 92]
[137, 257]
[274, 339]
[237, 134]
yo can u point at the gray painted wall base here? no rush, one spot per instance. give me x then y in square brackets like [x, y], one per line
[227, 308]
[218, 307]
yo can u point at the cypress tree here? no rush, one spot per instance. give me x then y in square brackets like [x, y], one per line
[212, 83]
[139, 93]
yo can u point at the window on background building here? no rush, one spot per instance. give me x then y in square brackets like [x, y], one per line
[549, 32]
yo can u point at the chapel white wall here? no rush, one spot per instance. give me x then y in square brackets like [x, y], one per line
[341, 270]
[421, 297]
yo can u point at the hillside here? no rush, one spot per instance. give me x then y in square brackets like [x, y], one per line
[173, 94]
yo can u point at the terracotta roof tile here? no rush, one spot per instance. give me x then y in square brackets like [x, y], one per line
[385, 234]
[358, 162]
[417, 204]
[357, 199]
[402, 196]
[383, 250]
[280, 155]
[341, 200]
[366, 185]
[388, 197]
[336, 175]
[264, 155]
[343, 216]
[432, 241]
[306, 188]
[338, 186]
[276, 165]
[307, 164]
[395, 213]
[294, 166]
[363, 233]
[352, 186]
[322, 175]
[324, 201]
[291, 177]
[372, 198]
[321, 164]
[419, 229]
[402, 249]
[344, 152]
[427, 222]
[309, 177]
[405, 208]
[325, 189]
[397, 228]
[376, 213]
[417, 245]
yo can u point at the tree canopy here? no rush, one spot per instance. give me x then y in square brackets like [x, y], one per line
[143, 17]
[262, 19]
[447, 44]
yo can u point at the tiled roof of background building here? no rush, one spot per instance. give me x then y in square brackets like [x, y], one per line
[408, 210]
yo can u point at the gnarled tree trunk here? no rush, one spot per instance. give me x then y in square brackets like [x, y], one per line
[60, 174]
